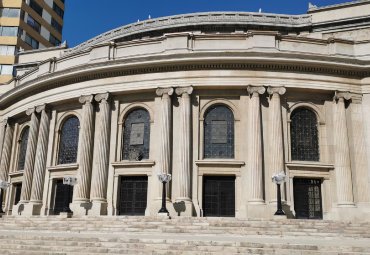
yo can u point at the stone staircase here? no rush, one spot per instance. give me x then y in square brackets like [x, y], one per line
[152, 235]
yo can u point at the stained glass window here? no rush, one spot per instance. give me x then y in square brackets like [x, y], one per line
[23, 148]
[304, 135]
[68, 143]
[219, 132]
[136, 133]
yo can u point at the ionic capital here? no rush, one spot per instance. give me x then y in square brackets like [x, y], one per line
[340, 95]
[163, 91]
[86, 99]
[255, 90]
[103, 97]
[42, 108]
[30, 111]
[184, 90]
[276, 90]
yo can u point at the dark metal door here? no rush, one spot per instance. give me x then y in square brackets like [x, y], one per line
[18, 189]
[63, 197]
[307, 198]
[133, 195]
[218, 196]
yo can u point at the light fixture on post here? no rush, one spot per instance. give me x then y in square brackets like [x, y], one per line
[164, 178]
[71, 181]
[3, 186]
[279, 179]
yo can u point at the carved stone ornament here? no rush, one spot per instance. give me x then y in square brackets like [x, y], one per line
[181, 90]
[276, 90]
[41, 108]
[86, 99]
[161, 91]
[345, 95]
[102, 96]
[255, 89]
[30, 111]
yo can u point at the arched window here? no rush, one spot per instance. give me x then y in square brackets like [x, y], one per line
[304, 135]
[136, 135]
[23, 148]
[219, 132]
[68, 142]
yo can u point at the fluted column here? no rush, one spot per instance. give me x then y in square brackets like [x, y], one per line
[276, 152]
[342, 158]
[30, 156]
[165, 145]
[101, 160]
[40, 161]
[2, 135]
[6, 152]
[184, 146]
[85, 156]
[255, 146]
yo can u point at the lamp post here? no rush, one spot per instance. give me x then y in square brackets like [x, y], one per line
[3, 186]
[164, 178]
[71, 181]
[279, 179]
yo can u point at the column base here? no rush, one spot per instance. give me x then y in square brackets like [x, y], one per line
[80, 208]
[164, 215]
[257, 210]
[280, 217]
[183, 207]
[32, 208]
[98, 208]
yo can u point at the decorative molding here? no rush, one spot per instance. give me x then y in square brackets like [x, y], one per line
[65, 167]
[181, 90]
[41, 108]
[102, 96]
[276, 90]
[342, 95]
[161, 91]
[86, 99]
[125, 164]
[256, 89]
[220, 162]
[313, 166]
[197, 19]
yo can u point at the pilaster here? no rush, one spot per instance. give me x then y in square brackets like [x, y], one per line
[101, 158]
[6, 151]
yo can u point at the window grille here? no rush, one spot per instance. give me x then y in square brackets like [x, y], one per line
[219, 132]
[68, 143]
[304, 135]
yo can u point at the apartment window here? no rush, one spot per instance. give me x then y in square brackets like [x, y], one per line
[32, 42]
[6, 69]
[58, 10]
[33, 23]
[36, 7]
[7, 50]
[56, 25]
[10, 12]
[53, 40]
[8, 31]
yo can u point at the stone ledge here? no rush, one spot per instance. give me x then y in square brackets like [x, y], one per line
[63, 167]
[219, 162]
[128, 163]
[315, 166]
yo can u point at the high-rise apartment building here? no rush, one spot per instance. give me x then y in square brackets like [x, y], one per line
[27, 24]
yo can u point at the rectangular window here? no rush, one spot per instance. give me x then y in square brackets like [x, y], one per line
[36, 7]
[53, 40]
[33, 23]
[56, 25]
[32, 42]
[7, 50]
[10, 12]
[8, 31]
[6, 69]
[58, 10]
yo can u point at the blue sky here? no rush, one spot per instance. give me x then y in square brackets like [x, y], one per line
[85, 19]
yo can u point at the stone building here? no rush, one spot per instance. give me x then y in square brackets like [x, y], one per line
[220, 100]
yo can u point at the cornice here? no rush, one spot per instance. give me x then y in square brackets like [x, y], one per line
[198, 19]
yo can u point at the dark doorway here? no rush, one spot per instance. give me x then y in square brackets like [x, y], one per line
[307, 198]
[133, 195]
[17, 190]
[63, 197]
[219, 196]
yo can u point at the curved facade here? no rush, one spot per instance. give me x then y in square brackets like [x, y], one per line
[222, 101]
